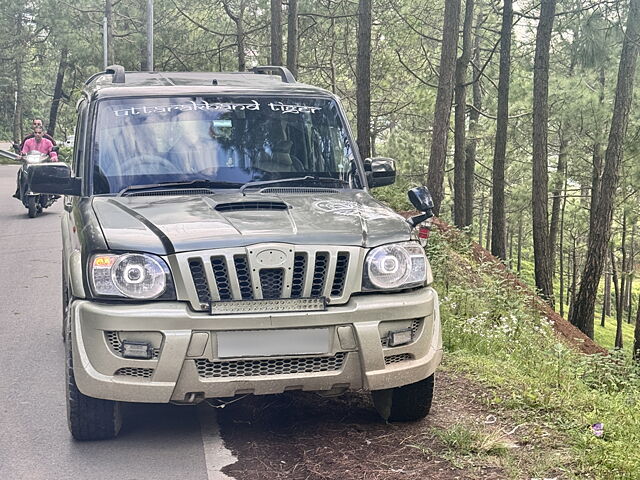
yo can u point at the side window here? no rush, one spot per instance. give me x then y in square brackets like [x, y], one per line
[78, 147]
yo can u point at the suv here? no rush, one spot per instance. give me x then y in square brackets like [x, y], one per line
[219, 239]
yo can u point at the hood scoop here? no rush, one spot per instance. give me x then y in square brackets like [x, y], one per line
[250, 205]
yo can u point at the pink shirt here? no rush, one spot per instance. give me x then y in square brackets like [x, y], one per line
[44, 146]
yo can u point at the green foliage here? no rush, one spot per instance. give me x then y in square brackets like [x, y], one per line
[491, 332]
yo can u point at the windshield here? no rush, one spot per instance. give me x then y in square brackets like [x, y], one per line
[225, 139]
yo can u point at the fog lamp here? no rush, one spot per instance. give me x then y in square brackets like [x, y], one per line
[136, 349]
[400, 337]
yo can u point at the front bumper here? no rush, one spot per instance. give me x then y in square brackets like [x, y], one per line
[185, 364]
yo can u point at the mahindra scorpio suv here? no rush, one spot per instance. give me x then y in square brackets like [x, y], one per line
[219, 238]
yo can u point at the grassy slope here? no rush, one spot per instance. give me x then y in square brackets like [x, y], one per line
[492, 333]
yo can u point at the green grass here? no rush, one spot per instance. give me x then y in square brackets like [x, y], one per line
[491, 333]
[606, 336]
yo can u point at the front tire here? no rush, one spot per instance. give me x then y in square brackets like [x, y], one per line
[32, 206]
[89, 418]
[407, 403]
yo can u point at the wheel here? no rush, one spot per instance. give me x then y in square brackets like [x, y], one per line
[89, 418]
[32, 206]
[407, 403]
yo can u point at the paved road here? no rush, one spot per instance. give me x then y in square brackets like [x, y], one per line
[157, 441]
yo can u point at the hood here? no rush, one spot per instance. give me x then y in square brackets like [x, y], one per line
[182, 223]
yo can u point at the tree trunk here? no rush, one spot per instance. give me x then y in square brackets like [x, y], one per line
[489, 230]
[597, 245]
[561, 245]
[596, 172]
[18, 133]
[557, 201]
[541, 247]
[437, 157]
[607, 292]
[240, 35]
[636, 339]
[276, 32]
[519, 268]
[631, 269]
[618, 341]
[574, 280]
[57, 92]
[460, 124]
[474, 117]
[363, 79]
[292, 37]
[499, 221]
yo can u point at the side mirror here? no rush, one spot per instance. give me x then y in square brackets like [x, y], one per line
[420, 197]
[53, 178]
[381, 171]
[16, 147]
[55, 148]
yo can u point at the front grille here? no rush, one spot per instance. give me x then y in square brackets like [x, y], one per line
[134, 372]
[271, 282]
[239, 274]
[403, 357]
[270, 366]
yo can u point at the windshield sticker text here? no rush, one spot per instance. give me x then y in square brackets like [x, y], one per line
[187, 107]
[204, 106]
[281, 107]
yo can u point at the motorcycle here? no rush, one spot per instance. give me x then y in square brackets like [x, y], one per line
[35, 203]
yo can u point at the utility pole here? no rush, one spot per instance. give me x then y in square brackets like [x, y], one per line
[105, 43]
[150, 35]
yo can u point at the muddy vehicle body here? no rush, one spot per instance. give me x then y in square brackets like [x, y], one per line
[219, 239]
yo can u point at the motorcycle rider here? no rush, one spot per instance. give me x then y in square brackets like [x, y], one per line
[40, 144]
[36, 122]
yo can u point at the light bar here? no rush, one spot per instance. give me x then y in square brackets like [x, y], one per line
[269, 306]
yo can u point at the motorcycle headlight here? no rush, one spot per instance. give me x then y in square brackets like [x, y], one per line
[394, 266]
[137, 276]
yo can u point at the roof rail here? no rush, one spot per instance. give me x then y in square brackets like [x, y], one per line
[284, 72]
[116, 70]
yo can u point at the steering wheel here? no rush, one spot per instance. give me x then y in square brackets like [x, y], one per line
[146, 164]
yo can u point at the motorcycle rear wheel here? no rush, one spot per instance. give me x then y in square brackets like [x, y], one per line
[32, 206]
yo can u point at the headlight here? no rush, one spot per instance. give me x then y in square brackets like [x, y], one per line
[398, 265]
[132, 275]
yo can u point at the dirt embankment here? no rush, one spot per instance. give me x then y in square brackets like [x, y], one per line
[565, 330]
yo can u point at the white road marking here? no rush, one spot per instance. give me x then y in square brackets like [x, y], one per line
[216, 455]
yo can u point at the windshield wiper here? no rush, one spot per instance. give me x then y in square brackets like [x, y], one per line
[199, 183]
[308, 178]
